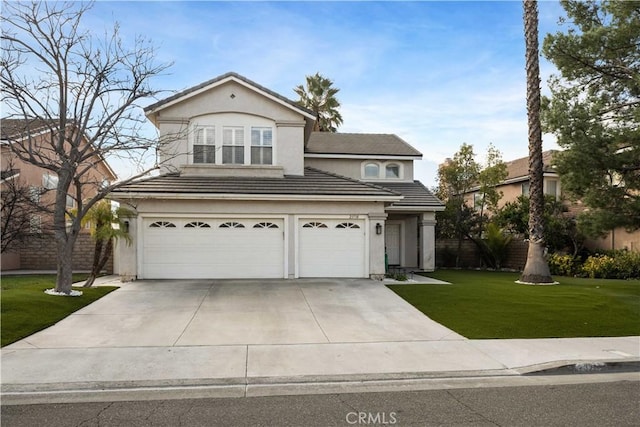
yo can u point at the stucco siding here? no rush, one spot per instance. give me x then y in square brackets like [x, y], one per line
[231, 105]
[353, 168]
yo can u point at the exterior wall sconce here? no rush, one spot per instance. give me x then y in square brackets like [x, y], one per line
[126, 226]
[378, 228]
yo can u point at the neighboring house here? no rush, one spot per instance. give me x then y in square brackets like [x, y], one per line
[38, 252]
[517, 184]
[247, 190]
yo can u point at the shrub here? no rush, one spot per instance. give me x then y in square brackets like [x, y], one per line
[564, 265]
[613, 265]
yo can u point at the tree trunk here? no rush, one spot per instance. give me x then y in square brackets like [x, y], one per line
[65, 239]
[65, 243]
[536, 270]
[101, 256]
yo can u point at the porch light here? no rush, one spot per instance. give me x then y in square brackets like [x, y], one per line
[378, 228]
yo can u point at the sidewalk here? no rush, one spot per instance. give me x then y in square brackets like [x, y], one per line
[31, 375]
[73, 371]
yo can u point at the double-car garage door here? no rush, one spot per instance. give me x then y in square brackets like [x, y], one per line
[174, 248]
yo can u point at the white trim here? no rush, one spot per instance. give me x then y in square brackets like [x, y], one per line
[362, 156]
[382, 171]
[414, 209]
[168, 215]
[188, 196]
[352, 217]
[219, 83]
[11, 178]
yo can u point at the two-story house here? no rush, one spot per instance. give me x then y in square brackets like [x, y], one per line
[37, 251]
[248, 190]
[516, 184]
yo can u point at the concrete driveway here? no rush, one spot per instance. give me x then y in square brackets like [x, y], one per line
[161, 313]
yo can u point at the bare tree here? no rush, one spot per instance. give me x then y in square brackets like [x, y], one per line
[81, 92]
[18, 207]
[536, 269]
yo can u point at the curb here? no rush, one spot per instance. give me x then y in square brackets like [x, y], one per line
[543, 374]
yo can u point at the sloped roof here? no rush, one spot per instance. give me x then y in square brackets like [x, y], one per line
[313, 183]
[231, 75]
[416, 195]
[519, 168]
[8, 174]
[359, 144]
[22, 128]
[19, 127]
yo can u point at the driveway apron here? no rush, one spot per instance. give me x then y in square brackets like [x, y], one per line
[161, 313]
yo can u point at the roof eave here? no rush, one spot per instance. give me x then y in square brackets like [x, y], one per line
[363, 156]
[400, 208]
[138, 195]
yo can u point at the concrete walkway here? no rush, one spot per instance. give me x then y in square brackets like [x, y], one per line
[243, 338]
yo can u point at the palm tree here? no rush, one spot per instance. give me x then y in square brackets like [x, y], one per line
[320, 97]
[536, 269]
[102, 219]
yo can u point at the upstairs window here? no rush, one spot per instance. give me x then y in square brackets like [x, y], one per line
[392, 171]
[233, 145]
[525, 188]
[204, 145]
[49, 181]
[261, 146]
[371, 170]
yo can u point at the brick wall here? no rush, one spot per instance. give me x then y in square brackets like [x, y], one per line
[39, 253]
[446, 250]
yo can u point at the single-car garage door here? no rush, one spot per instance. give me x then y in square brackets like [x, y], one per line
[199, 248]
[331, 248]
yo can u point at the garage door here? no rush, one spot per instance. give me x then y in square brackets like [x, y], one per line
[331, 248]
[176, 248]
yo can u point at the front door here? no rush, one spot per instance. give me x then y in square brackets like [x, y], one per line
[392, 243]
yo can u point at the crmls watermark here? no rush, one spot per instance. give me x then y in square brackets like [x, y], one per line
[371, 418]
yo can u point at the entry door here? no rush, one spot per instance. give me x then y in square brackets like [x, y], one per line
[392, 243]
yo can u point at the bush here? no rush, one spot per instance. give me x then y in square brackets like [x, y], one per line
[613, 265]
[564, 265]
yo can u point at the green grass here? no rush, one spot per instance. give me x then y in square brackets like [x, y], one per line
[26, 309]
[481, 304]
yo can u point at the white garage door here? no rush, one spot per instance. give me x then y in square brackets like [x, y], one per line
[175, 248]
[331, 248]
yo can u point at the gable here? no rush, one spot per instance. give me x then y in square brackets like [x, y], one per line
[228, 93]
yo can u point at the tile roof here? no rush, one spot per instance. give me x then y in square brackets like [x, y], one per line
[415, 195]
[220, 78]
[519, 168]
[313, 183]
[19, 127]
[359, 144]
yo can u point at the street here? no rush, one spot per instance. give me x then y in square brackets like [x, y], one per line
[601, 404]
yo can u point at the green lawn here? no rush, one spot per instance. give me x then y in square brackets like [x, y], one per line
[27, 309]
[481, 304]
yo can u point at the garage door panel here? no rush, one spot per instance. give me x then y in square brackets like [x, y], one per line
[197, 251]
[328, 250]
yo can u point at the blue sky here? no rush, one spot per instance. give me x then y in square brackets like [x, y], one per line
[437, 74]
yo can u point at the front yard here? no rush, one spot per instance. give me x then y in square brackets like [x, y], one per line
[481, 304]
[26, 309]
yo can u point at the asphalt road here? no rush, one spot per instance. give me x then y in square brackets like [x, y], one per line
[602, 404]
